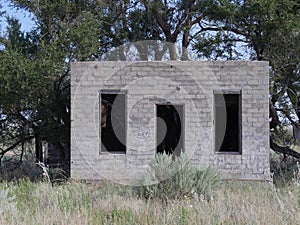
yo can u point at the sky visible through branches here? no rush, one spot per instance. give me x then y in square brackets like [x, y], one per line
[25, 18]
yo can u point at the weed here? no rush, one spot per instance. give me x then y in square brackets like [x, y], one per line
[106, 203]
[7, 202]
[296, 174]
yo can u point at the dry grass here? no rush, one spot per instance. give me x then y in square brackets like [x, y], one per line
[39, 202]
[105, 203]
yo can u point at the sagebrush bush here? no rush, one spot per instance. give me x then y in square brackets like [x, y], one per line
[177, 178]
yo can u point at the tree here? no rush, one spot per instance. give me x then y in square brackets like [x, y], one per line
[34, 78]
[168, 24]
[270, 29]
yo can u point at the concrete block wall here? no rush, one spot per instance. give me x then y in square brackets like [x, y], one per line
[190, 83]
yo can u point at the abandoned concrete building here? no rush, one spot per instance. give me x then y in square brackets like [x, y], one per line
[123, 113]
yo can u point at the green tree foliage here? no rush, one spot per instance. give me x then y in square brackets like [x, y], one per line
[269, 30]
[34, 76]
[160, 21]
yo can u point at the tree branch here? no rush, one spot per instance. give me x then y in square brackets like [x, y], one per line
[3, 152]
[283, 150]
[184, 18]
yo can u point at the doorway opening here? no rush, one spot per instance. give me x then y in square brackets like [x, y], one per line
[169, 129]
[228, 122]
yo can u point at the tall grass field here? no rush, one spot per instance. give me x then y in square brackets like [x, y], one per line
[38, 201]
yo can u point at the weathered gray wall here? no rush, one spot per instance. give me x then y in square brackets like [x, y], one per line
[189, 83]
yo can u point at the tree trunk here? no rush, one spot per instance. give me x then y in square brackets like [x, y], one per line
[185, 43]
[122, 56]
[38, 148]
[184, 56]
[172, 51]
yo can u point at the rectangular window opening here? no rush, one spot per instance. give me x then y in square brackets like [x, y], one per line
[169, 129]
[113, 122]
[227, 107]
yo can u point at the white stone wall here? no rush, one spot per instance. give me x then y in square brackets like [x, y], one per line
[191, 84]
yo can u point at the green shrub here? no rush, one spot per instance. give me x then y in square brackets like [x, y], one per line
[207, 180]
[12, 170]
[177, 178]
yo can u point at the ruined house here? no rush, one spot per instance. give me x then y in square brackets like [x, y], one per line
[124, 113]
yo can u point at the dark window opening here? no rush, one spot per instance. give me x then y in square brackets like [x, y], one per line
[169, 129]
[227, 122]
[113, 123]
